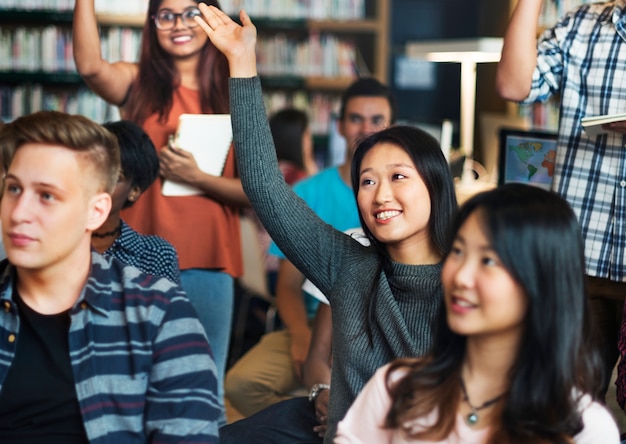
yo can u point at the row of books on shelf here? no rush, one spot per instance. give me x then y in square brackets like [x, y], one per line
[320, 107]
[293, 9]
[319, 55]
[553, 10]
[120, 44]
[298, 9]
[36, 49]
[49, 48]
[26, 99]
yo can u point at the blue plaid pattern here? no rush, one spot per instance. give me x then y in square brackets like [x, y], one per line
[583, 58]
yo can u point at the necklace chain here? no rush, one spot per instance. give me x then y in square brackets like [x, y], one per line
[117, 230]
[472, 418]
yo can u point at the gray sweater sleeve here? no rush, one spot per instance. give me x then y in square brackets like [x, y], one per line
[313, 246]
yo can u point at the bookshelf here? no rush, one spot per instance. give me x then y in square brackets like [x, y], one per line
[309, 52]
[308, 58]
[37, 69]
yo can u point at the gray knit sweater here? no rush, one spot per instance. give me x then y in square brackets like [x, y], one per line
[344, 270]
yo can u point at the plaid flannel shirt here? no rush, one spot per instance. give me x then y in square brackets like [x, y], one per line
[583, 58]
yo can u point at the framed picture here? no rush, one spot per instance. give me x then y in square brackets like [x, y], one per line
[526, 156]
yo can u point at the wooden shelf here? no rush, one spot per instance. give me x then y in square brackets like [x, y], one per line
[43, 17]
[48, 78]
[320, 83]
[329, 83]
[345, 26]
[282, 82]
[304, 25]
[132, 21]
[46, 17]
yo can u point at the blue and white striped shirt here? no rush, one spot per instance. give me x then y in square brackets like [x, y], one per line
[583, 57]
[142, 366]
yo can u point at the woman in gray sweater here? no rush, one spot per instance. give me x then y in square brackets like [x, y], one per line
[383, 297]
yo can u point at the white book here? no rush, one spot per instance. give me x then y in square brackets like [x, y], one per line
[593, 124]
[208, 137]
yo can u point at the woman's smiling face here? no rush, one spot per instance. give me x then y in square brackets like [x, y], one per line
[481, 296]
[183, 39]
[392, 198]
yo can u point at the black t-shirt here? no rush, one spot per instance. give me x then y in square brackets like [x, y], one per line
[38, 402]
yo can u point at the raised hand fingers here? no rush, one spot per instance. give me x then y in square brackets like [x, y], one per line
[245, 18]
[236, 42]
[213, 17]
[210, 18]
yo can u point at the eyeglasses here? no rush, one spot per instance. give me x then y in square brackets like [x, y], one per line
[165, 19]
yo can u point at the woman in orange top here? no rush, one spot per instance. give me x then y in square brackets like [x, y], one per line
[153, 93]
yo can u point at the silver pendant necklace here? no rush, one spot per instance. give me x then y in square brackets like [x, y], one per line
[472, 417]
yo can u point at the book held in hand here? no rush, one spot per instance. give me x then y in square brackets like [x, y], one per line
[593, 124]
[208, 137]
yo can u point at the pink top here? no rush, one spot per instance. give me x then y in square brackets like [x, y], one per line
[205, 233]
[362, 423]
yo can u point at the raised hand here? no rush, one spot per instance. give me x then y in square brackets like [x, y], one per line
[236, 42]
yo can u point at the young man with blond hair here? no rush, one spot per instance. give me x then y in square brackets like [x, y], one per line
[92, 350]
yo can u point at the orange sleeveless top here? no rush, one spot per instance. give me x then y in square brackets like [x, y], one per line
[204, 232]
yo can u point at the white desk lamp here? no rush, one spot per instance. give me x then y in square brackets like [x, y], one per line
[467, 52]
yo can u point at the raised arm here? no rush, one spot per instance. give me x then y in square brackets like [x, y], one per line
[519, 53]
[314, 247]
[109, 81]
